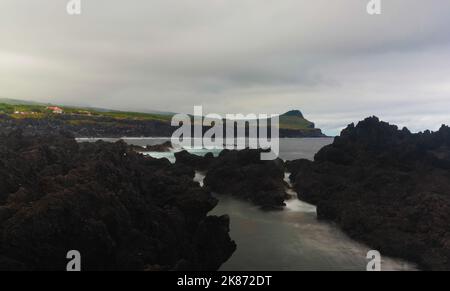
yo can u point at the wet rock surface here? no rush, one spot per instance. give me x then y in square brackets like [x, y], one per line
[164, 147]
[386, 187]
[119, 209]
[194, 161]
[244, 175]
[161, 148]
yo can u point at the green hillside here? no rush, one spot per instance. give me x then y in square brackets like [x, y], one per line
[23, 109]
[293, 120]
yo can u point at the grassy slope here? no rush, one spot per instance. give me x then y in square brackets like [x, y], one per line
[295, 122]
[40, 111]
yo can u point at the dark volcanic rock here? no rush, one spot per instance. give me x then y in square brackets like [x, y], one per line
[386, 187]
[164, 147]
[242, 174]
[194, 161]
[121, 210]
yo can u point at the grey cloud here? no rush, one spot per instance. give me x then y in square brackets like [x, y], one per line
[328, 58]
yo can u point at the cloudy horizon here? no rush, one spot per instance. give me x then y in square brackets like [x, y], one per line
[332, 61]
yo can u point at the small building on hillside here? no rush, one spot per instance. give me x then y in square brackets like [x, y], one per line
[84, 112]
[56, 109]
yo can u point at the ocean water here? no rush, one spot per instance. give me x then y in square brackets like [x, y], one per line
[288, 240]
[290, 149]
[139, 141]
[292, 240]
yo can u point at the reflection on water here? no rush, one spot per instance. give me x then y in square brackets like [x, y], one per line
[292, 239]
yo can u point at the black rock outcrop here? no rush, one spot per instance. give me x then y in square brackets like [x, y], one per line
[119, 209]
[162, 148]
[199, 163]
[386, 187]
[244, 175]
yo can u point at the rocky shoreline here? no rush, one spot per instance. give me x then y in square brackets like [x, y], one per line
[386, 187]
[119, 209]
[160, 148]
[122, 210]
[241, 174]
[87, 126]
[109, 127]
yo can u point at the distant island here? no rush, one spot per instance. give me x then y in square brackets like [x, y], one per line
[33, 117]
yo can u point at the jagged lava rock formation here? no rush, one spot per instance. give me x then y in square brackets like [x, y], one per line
[195, 162]
[244, 175]
[161, 148]
[241, 174]
[121, 210]
[386, 187]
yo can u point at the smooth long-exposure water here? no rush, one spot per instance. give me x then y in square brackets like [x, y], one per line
[292, 239]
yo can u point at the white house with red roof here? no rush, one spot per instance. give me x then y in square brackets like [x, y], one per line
[56, 109]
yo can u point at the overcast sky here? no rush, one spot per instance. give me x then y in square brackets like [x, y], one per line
[329, 59]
